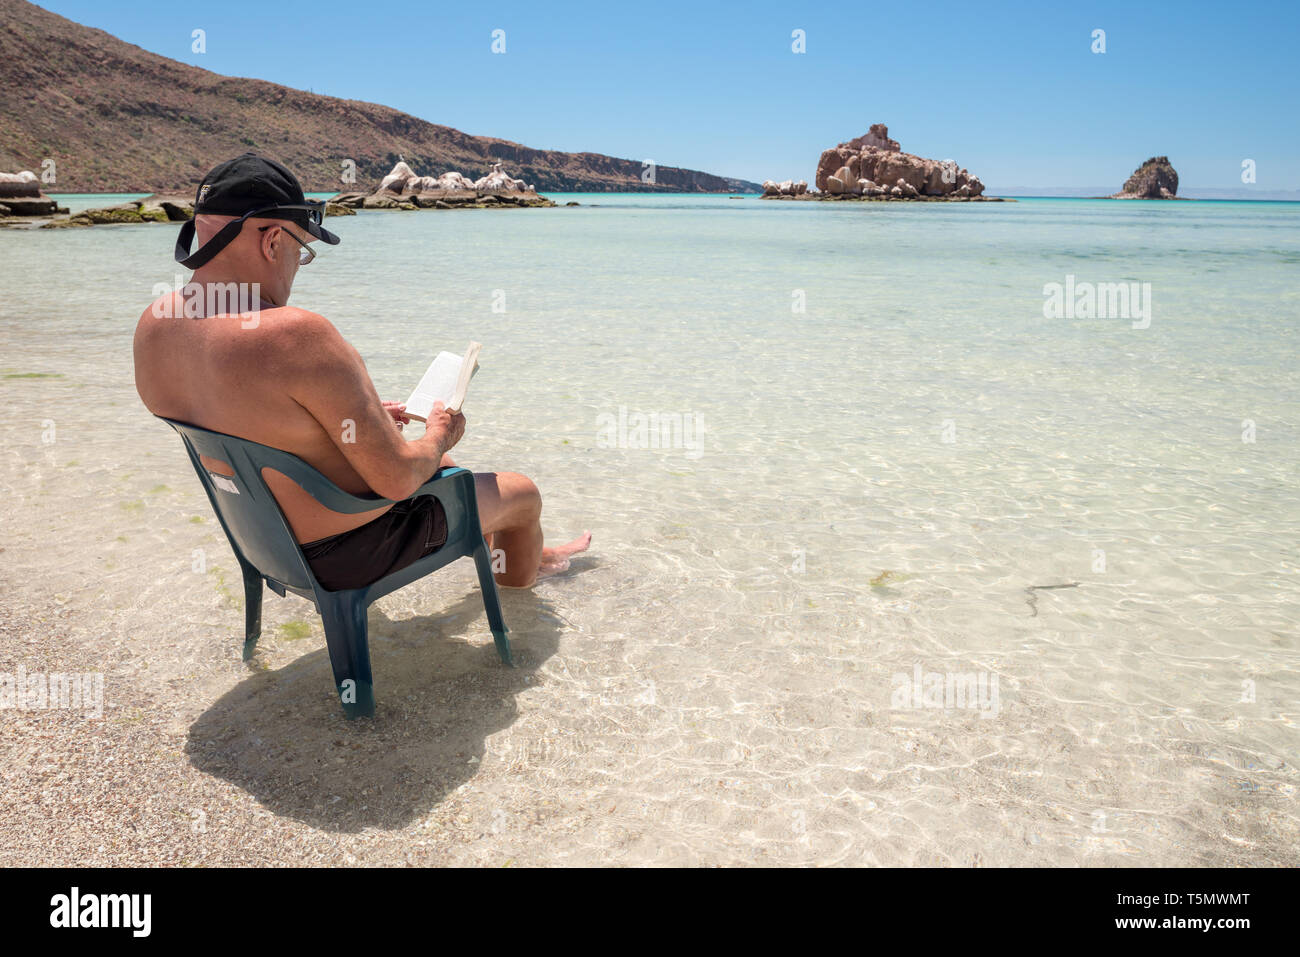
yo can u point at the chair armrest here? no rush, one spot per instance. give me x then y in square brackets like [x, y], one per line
[340, 501]
[346, 502]
[441, 479]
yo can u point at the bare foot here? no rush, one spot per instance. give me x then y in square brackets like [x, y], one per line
[556, 560]
[545, 571]
[562, 554]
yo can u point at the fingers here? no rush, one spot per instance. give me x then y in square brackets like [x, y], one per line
[451, 425]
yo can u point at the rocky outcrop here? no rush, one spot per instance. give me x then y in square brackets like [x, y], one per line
[403, 180]
[875, 165]
[166, 208]
[20, 195]
[877, 138]
[158, 208]
[19, 184]
[785, 188]
[452, 181]
[403, 189]
[498, 181]
[395, 182]
[1154, 179]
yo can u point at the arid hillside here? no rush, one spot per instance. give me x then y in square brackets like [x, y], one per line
[114, 117]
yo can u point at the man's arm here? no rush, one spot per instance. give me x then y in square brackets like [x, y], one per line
[332, 384]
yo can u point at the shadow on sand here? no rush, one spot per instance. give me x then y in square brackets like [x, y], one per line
[281, 735]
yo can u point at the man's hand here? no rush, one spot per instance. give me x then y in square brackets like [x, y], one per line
[447, 427]
[398, 411]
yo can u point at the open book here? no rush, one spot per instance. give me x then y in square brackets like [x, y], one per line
[446, 381]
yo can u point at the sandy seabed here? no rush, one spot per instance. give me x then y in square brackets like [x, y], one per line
[610, 742]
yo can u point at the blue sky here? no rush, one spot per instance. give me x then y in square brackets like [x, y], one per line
[1011, 91]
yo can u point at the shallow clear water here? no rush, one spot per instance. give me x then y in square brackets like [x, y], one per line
[878, 482]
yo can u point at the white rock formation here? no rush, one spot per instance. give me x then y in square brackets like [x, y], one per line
[454, 181]
[398, 178]
[403, 180]
[499, 179]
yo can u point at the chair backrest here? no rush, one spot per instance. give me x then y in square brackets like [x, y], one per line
[249, 513]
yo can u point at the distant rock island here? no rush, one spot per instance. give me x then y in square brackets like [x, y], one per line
[873, 166]
[112, 117]
[1154, 179]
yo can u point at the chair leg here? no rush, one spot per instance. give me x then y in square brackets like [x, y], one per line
[252, 607]
[492, 602]
[346, 636]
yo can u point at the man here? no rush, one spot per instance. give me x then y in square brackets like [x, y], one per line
[286, 378]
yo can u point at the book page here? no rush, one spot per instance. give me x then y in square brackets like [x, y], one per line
[468, 366]
[446, 381]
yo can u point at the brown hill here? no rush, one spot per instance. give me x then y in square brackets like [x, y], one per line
[116, 118]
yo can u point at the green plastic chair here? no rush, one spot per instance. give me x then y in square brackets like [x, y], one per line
[267, 550]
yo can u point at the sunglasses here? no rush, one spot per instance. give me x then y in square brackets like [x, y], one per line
[306, 254]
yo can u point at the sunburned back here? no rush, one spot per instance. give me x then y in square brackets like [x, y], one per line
[234, 374]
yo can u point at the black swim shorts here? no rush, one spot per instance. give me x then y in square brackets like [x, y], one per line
[401, 536]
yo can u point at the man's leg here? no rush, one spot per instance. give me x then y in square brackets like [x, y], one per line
[510, 511]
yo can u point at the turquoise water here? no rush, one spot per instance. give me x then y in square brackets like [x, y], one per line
[878, 481]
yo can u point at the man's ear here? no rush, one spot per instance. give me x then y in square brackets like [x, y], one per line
[269, 243]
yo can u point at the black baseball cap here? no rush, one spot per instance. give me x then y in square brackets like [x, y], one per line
[249, 185]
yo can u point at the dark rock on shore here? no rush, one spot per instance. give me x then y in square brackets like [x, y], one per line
[1154, 179]
[20, 195]
[157, 208]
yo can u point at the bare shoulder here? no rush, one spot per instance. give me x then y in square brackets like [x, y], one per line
[304, 332]
[292, 315]
[306, 342]
[164, 307]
